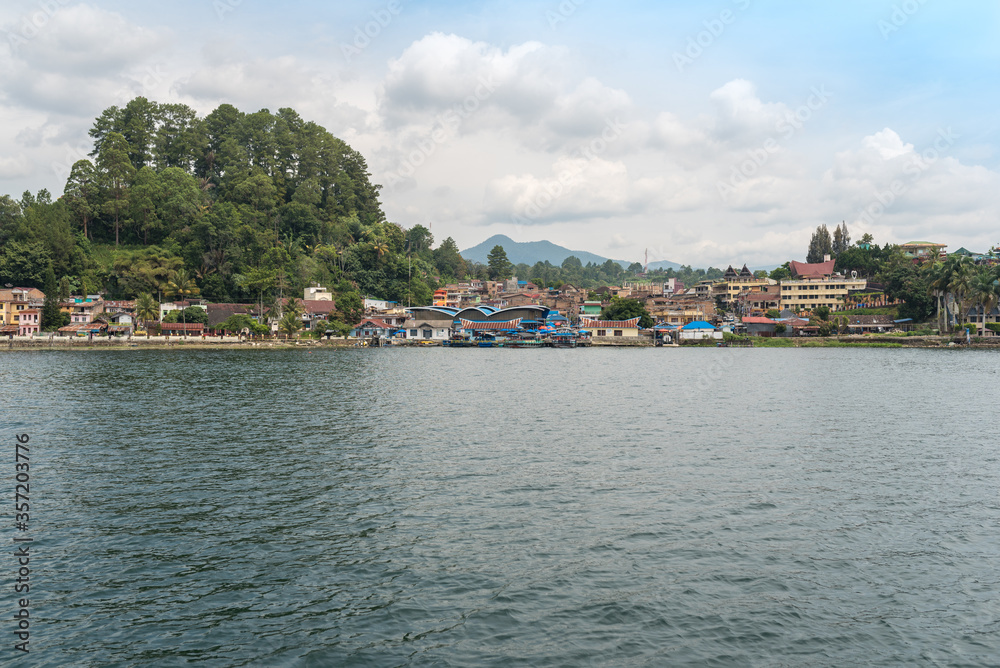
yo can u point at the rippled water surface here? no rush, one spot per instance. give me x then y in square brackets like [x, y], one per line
[764, 507]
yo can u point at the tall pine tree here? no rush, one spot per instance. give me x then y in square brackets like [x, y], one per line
[821, 244]
[52, 317]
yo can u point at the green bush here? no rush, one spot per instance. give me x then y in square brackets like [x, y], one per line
[993, 327]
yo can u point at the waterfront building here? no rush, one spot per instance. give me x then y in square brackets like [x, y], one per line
[120, 322]
[426, 330]
[182, 329]
[167, 307]
[975, 315]
[699, 330]
[29, 322]
[15, 300]
[83, 309]
[219, 313]
[615, 328]
[371, 327]
[867, 324]
[814, 285]
[756, 326]
[437, 323]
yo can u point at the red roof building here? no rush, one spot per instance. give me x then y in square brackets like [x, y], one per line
[816, 270]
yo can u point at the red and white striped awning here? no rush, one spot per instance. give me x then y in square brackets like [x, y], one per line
[475, 325]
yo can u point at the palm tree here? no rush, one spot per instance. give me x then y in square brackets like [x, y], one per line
[182, 285]
[146, 309]
[960, 286]
[294, 305]
[985, 292]
[937, 283]
[290, 323]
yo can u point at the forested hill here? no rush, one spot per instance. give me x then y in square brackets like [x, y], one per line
[249, 205]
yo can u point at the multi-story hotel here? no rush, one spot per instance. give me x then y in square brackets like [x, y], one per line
[734, 284]
[815, 285]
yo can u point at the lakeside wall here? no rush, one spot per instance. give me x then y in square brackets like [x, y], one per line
[192, 343]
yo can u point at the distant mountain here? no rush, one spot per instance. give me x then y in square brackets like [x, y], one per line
[530, 252]
[664, 264]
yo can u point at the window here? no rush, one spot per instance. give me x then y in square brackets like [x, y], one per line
[428, 333]
[618, 332]
[413, 332]
[602, 332]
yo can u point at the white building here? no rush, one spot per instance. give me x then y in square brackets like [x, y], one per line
[317, 293]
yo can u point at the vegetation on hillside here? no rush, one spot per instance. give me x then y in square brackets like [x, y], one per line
[252, 206]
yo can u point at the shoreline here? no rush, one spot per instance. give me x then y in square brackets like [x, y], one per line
[942, 342]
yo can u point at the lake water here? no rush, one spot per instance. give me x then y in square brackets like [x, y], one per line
[627, 507]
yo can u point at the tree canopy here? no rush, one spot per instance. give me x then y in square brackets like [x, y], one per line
[625, 309]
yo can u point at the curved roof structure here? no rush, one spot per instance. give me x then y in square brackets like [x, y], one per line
[479, 313]
[481, 326]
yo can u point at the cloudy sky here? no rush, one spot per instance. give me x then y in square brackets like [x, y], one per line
[706, 132]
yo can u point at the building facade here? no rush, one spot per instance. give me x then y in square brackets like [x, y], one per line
[814, 285]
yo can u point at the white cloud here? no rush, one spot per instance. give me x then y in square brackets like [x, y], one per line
[15, 167]
[89, 42]
[530, 88]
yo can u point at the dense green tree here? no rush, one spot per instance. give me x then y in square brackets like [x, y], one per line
[572, 263]
[500, 267]
[448, 260]
[116, 173]
[419, 239]
[192, 314]
[350, 307]
[841, 239]
[24, 263]
[145, 193]
[819, 245]
[625, 309]
[339, 327]
[82, 194]
[239, 323]
[52, 317]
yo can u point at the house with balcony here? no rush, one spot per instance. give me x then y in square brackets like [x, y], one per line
[814, 285]
[82, 310]
[371, 328]
[976, 316]
[29, 322]
[921, 251]
[13, 301]
[735, 284]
